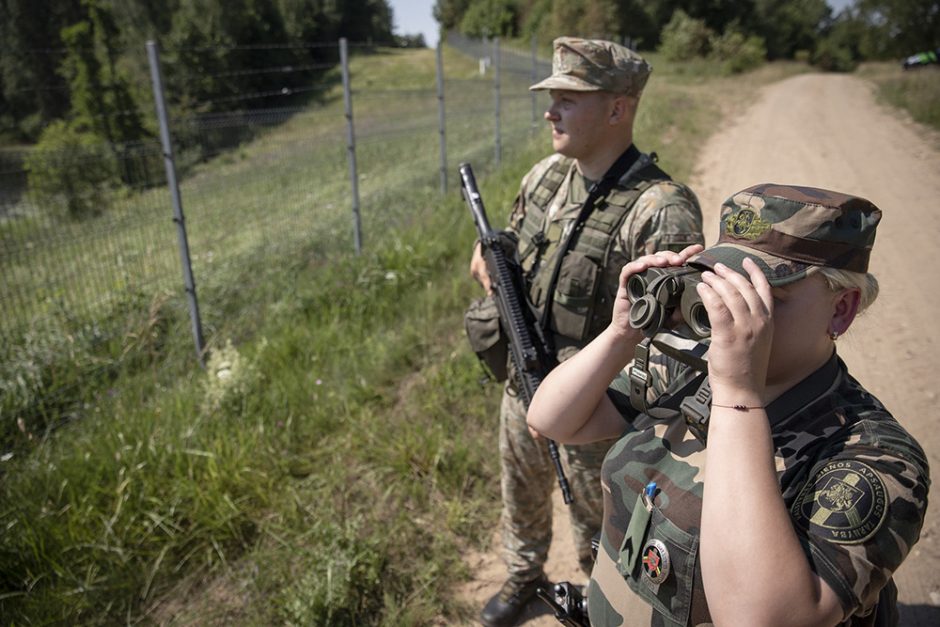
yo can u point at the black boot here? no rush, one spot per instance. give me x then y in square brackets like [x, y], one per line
[504, 608]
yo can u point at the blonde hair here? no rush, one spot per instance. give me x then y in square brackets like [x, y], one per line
[837, 280]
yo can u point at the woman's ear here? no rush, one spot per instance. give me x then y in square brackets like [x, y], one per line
[844, 310]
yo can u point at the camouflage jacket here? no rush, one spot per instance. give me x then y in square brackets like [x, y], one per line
[647, 213]
[854, 481]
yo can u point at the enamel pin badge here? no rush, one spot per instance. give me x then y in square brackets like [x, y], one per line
[656, 561]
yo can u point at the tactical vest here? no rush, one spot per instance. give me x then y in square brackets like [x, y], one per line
[585, 290]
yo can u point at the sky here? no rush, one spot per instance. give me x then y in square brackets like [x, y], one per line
[414, 16]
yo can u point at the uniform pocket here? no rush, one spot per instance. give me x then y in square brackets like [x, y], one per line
[573, 302]
[481, 322]
[664, 574]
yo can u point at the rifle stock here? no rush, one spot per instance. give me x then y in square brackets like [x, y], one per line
[527, 347]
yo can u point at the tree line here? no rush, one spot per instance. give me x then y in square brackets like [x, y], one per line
[867, 29]
[83, 61]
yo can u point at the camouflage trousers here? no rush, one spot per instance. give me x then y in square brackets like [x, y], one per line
[527, 481]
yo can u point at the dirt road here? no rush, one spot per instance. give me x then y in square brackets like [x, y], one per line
[827, 131]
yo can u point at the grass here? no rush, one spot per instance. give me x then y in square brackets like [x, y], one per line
[334, 460]
[916, 90]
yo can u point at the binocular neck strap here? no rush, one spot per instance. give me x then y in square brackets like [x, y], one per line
[692, 400]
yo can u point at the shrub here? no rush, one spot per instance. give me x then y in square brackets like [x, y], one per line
[684, 38]
[833, 57]
[70, 170]
[738, 53]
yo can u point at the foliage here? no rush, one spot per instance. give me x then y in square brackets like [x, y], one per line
[897, 28]
[100, 37]
[832, 56]
[70, 172]
[737, 53]
[684, 38]
[489, 18]
[788, 26]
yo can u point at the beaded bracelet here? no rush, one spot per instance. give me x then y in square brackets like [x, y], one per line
[739, 407]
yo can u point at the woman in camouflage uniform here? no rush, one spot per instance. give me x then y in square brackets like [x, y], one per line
[815, 493]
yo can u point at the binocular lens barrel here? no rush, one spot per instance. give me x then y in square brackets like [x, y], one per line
[655, 293]
[694, 312]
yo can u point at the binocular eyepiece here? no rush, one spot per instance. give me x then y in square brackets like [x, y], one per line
[655, 294]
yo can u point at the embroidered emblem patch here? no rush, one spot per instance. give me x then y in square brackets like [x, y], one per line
[746, 224]
[656, 561]
[845, 503]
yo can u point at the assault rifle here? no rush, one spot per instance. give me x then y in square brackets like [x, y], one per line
[528, 349]
[567, 603]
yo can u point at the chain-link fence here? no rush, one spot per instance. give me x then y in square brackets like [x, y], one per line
[257, 180]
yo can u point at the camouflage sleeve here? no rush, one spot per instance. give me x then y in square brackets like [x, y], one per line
[862, 510]
[667, 216]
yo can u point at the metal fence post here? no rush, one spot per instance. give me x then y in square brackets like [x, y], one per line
[535, 79]
[153, 56]
[441, 116]
[499, 148]
[351, 146]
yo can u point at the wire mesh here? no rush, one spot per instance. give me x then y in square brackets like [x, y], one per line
[257, 183]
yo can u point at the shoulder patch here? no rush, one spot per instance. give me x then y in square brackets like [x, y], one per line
[844, 503]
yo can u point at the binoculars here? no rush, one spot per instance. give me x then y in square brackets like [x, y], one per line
[656, 293]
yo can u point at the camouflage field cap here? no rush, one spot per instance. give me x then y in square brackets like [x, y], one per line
[595, 65]
[786, 229]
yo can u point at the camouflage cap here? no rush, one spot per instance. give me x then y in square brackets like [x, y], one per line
[787, 229]
[595, 65]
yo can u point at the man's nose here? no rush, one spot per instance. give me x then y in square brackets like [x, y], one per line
[551, 113]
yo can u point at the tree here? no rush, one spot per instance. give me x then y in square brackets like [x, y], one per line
[790, 26]
[101, 102]
[448, 13]
[30, 55]
[900, 28]
[489, 18]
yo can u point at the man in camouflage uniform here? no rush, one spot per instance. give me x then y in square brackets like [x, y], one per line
[834, 489]
[595, 88]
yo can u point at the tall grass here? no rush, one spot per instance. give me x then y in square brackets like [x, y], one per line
[333, 461]
[916, 90]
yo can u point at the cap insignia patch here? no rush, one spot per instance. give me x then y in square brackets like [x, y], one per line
[745, 224]
[656, 561]
[844, 503]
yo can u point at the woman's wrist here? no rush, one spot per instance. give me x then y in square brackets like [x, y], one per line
[740, 397]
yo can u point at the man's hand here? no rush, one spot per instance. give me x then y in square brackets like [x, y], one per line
[478, 268]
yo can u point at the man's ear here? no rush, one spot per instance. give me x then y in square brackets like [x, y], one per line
[622, 107]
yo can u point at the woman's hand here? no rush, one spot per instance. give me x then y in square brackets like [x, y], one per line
[620, 320]
[741, 315]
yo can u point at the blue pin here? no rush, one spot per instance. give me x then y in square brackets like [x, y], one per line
[650, 489]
